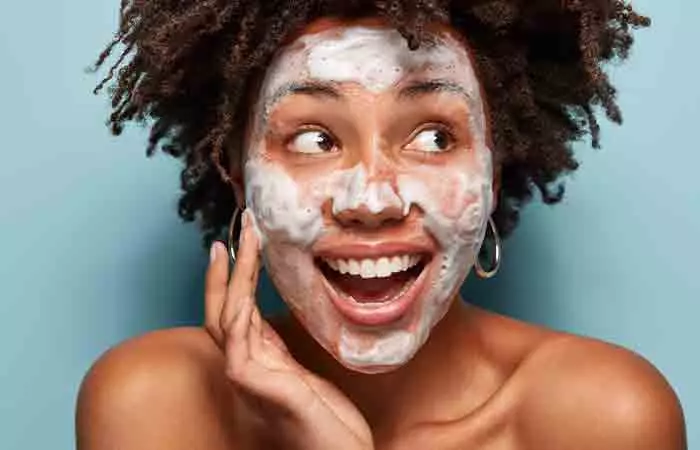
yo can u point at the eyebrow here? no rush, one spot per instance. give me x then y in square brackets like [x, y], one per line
[428, 87]
[329, 90]
[318, 89]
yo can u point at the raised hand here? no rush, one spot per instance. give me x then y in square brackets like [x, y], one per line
[308, 412]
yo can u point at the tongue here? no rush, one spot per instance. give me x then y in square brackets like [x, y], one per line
[370, 290]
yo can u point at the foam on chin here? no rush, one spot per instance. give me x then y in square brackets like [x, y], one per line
[387, 352]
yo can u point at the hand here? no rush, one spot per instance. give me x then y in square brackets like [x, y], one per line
[313, 414]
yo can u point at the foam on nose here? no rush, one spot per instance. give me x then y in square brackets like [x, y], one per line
[355, 191]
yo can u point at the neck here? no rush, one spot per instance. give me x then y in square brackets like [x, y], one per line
[442, 371]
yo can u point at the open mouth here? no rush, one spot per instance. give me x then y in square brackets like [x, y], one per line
[372, 281]
[374, 291]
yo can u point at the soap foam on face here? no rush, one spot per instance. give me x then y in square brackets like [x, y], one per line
[289, 212]
[375, 58]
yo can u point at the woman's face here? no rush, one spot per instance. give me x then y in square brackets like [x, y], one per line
[369, 176]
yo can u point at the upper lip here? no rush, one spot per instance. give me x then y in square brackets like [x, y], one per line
[372, 250]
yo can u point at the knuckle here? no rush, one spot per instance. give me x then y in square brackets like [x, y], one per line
[224, 323]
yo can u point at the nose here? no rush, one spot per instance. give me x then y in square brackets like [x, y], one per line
[370, 214]
[368, 201]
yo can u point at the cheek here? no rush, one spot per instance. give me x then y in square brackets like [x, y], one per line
[450, 195]
[453, 193]
[284, 208]
[455, 200]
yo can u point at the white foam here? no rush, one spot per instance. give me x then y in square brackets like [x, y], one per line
[286, 211]
[389, 349]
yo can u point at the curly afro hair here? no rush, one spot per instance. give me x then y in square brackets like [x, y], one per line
[187, 66]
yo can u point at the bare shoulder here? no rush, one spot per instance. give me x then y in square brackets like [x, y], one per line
[162, 390]
[579, 393]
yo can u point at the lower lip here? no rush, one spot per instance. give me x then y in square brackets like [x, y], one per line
[376, 314]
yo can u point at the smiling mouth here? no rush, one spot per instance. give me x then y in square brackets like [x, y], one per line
[370, 282]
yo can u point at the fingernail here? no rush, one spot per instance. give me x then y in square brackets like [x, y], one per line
[212, 252]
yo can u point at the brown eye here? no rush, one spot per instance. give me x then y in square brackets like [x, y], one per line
[312, 142]
[431, 140]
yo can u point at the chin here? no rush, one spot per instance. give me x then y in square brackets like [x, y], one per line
[385, 353]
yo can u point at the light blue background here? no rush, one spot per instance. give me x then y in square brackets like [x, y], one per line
[91, 250]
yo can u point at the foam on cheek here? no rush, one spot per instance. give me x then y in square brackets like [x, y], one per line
[288, 211]
[274, 198]
[458, 224]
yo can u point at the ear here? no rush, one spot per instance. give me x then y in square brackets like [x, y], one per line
[237, 181]
[238, 190]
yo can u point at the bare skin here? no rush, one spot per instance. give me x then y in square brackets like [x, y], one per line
[481, 381]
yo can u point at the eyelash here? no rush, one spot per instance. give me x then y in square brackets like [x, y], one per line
[308, 128]
[443, 127]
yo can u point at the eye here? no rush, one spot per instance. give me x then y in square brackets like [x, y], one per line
[312, 142]
[431, 140]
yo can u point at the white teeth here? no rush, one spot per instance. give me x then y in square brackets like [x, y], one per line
[367, 269]
[383, 268]
[374, 268]
[353, 267]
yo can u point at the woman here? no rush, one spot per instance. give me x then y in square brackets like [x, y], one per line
[371, 147]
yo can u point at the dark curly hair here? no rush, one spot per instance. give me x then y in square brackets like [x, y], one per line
[188, 66]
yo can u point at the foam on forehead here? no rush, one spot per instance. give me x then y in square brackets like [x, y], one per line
[375, 58]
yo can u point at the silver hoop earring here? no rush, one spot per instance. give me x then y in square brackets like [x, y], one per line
[495, 258]
[234, 229]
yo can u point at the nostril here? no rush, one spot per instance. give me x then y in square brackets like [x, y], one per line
[393, 221]
[364, 217]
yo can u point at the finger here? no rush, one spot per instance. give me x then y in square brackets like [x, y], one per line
[244, 278]
[256, 320]
[245, 271]
[261, 347]
[255, 336]
[215, 289]
[266, 352]
[270, 335]
[238, 343]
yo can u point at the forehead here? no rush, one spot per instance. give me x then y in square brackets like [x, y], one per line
[373, 55]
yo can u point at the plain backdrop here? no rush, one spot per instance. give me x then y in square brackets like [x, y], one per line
[92, 251]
